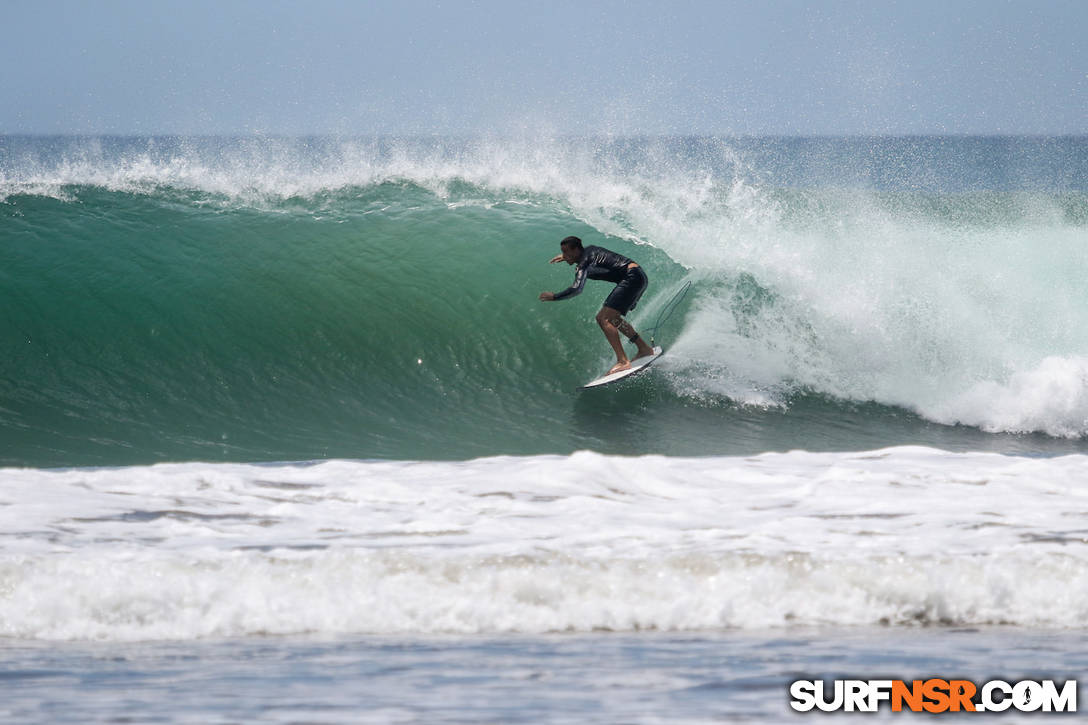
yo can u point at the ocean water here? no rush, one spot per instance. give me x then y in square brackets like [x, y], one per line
[287, 436]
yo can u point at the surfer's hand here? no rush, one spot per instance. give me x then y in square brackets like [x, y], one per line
[556, 258]
[547, 296]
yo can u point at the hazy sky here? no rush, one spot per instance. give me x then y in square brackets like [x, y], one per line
[660, 66]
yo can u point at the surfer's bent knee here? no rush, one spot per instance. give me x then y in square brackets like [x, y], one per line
[611, 317]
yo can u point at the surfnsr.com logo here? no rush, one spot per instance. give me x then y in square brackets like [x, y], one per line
[933, 695]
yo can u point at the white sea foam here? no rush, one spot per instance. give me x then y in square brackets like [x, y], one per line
[1052, 397]
[538, 544]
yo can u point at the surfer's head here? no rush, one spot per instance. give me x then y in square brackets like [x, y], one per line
[572, 249]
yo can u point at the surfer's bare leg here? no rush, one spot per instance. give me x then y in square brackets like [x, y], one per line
[604, 319]
[630, 333]
[612, 325]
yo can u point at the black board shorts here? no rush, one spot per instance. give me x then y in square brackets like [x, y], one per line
[625, 296]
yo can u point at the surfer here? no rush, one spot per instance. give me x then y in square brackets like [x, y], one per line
[600, 263]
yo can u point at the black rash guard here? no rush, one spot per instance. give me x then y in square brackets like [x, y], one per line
[596, 263]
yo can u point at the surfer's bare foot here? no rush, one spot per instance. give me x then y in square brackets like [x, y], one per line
[620, 366]
[644, 350]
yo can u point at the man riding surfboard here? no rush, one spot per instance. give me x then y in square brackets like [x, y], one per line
[600, 263]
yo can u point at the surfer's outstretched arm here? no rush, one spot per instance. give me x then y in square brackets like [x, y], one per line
[575, 289]
[580, 275]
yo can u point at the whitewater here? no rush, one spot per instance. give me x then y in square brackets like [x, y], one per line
[583, 543]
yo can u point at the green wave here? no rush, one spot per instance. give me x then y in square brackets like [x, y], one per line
[402, 325]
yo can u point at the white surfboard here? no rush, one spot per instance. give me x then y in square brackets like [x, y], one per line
[637, 366]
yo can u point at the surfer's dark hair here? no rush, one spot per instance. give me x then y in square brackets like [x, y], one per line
[571, 242]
